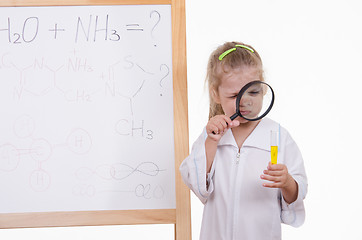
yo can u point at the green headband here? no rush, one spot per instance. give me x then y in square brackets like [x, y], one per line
[233, 49]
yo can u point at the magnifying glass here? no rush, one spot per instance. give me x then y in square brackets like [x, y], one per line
[254, 101]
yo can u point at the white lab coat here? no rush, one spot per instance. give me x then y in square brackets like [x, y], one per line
[236, 205]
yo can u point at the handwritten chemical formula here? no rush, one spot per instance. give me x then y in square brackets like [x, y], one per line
[91, 28]
[87, 108]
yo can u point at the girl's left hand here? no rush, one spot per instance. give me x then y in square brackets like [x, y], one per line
[278, 176]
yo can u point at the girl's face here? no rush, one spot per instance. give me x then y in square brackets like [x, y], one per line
[231, 84]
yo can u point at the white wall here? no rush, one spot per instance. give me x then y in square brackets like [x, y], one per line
[312, 53]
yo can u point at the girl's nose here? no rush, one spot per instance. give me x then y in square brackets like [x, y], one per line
[245, 102]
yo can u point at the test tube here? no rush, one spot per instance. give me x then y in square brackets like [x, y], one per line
[274, 146]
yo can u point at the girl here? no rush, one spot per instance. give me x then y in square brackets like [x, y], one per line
[229, 169]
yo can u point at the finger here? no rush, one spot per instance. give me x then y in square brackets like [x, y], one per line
[235, 123]
[211, 127]
[230, 123]
[226, 120]
[222, 124]
[272, 185]
[273, 173]
[271, 178]
[218, 128]
[276, 167]
[215, 131]
[214, 137]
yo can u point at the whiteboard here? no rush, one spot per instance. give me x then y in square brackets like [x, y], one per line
[86, 108]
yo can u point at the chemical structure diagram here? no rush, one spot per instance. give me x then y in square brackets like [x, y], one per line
[42, 79]
[39, 150]
[76, 81]
[118, 172]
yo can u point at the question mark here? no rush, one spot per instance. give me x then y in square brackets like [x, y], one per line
[168, 72]
[158, 20]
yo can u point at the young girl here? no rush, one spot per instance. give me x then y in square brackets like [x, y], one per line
[229, 168]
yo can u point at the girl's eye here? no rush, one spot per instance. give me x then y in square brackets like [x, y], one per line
[233, 96]
[253, 93]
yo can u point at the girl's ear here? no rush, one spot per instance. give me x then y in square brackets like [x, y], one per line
[215, 96]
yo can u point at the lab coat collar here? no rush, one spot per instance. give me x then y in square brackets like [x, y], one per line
[259, 138]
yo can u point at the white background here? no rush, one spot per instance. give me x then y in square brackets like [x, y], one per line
[312, 55]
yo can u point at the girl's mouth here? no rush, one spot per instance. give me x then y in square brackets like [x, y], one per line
[245, 113]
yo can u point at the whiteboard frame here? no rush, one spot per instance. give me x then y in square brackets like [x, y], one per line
[181, 216]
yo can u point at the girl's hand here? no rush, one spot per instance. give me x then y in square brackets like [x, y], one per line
[218, 125]
[279, 177]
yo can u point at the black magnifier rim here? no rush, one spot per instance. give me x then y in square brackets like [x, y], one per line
[240, 94]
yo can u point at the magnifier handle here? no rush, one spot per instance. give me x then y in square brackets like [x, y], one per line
[232, 118]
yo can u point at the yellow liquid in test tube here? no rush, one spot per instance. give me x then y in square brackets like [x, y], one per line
[274, 146]
[274, 154]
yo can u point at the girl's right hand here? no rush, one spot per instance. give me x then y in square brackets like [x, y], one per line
[218, 125]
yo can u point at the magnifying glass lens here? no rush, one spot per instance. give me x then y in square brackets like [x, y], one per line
[254, 101]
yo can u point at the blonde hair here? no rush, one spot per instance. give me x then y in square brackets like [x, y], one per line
[241, 57]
